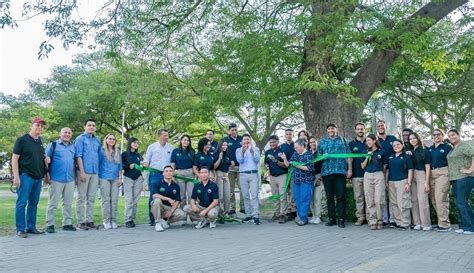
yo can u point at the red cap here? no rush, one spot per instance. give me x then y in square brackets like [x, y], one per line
[38, 120]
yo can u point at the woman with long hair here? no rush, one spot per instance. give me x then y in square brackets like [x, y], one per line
[182, 159]
[110, 180]
[374, 182]
[421, 183]
[317, 200]
[132, 181]
[204, 158]
[221, 166]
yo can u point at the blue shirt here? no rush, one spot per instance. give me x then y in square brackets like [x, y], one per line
[87, 148]
[201, 159]
[376, 162]
[248, 162]
[288, 149]
[275, 170]
[126, 162]
[225, 162]
[338, 145]
[421, 157]
[357, 147]
[109, 170]
[232, 146]
[205, 194]
[398, 166]
[387, 144]
[213, 149]
[168, 190]
[439, 155]
[182, 159]
[299, 176]
[62, 162]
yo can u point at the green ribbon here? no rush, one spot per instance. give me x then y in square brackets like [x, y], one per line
[227, 219]
[153, 170]
[319, 158]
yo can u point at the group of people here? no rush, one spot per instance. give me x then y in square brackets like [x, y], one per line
[393, 179]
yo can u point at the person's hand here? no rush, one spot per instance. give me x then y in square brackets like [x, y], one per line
[466, 171]
[194, 208]
[203, 213]
[370, 153]
[426, 187]
[349, 174]
[282, 155]
[221, 154]
[232, 164]
[272, 158]
[132, 166]
[47, 160]
[16, 182]
[47, 179]
[407, 187]
[172, 202]
[82, 177]
[145, 164]
[409, 153]
[319, 181]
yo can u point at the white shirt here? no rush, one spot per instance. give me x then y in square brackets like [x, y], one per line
[157, 156]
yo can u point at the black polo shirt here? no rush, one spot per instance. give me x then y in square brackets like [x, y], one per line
[206, 194]
[31, 152]
[168, 190]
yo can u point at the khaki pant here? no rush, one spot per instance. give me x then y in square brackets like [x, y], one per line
[158, 209]
[419, 200]
[439, 195]
[374, 188]
[211, 215]
[56, 190]
[185, 189]
[277, 184]
[132, 190]
[234, 181]
[317, 200]
[401, 202]
[290, 197]
[109, 192]
[224, 191]
[358, 187]
[86, 192]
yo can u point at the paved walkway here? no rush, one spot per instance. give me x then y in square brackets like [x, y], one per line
[241, 247]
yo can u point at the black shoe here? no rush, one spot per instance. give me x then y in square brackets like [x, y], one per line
[232, 211]
[242, 211]
[291, 216]
[340, 223]
[21, 234]
[282, 219]
[128, 224]
[133, 223]
[247, 220]
[403, 228]
[35, 231]
[331, 222]
[50, 229]
[275, 217]
[443, 229]
[220, 221]
[151, 224]
[69, 228]
[256, 221]
[393, 225]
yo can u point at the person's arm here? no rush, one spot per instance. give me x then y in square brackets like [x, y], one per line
[409, 181]
[79, 153]
[348, 160]
[218, 161]
[469, 152]
[120, 173]
[48, 154]
[256, 155]
[126, 166]
[15, 169]
[148, 155]
[194, 205]
[364, 163]
[426, 185]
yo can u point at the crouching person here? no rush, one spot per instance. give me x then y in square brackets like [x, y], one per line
[206, 210]
[166, 199]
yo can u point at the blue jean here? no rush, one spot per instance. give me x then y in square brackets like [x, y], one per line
[302, 193]
[28, 195]
[154, 178]
[462, 190]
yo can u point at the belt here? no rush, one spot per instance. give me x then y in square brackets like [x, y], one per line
[254, 171]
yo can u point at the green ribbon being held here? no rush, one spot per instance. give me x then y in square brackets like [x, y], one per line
[319, 158]
[153, 170]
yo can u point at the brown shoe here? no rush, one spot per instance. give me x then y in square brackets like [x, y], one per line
[21, 234]
[82, 226]
[380, 226]
[282, 219]
[359, 222]
[91, 225]
[373, 227]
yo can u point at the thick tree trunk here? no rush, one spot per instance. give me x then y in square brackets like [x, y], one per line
[321, 107]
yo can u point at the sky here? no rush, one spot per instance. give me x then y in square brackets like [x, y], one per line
[20, 46]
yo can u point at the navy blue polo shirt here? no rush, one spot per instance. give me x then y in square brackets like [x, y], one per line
[168, 190]
[358, 147]
[387, 144]
[232, 146]
[377, 161]
[201, 159]
[182, 159]
[206, 194]
[438, 155]
[127, 161]
[398, 166]
[288, 149]
[225, 162]
[275, 170]
[421, 157]
[213, 149]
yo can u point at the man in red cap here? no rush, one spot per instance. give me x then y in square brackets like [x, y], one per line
[29, 169]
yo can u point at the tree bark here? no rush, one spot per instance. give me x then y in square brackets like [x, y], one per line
[321, 107]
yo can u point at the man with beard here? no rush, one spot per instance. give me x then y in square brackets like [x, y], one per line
[358, 146]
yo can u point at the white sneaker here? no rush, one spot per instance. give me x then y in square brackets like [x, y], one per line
[114, 225]
[213, 224]
[164, 224]
[202, 223]
[427, 228]
[317, 221]
[468, 232]
[459, 231]
[158, 227]
[417, 227]
[107, 225]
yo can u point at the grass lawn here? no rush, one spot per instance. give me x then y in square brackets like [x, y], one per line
[7, 212]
